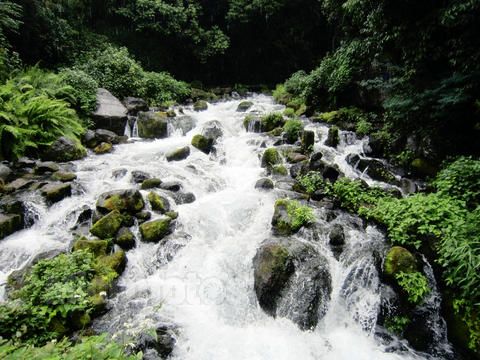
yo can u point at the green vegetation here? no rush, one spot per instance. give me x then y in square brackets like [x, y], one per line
[292, 129]
[397, 324]
[311, 182]
[92, 347]
[415, 285]
[298, 215]
[271, 121]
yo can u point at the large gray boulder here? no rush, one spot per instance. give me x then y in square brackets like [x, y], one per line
[64, 149]
[184, 123]
[152, 125]
[110, 113]
[292, 280]
[134, 105]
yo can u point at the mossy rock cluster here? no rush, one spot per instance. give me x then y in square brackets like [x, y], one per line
[125, 201]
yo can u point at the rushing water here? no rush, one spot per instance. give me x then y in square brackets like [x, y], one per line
[200, 280]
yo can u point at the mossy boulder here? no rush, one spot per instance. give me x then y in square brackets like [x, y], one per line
[156, 230]
[103, 148]
[273, 267]
[55, 192]
[127, 201]
[107, 226]
[333, 137]
[399, 259]
[125, 239]
[64, 149]
[272, 121]
[158, 202]
[244, 106]
[116, 262]
[308, 140]
[202, 143]
[289, 216]
[151, 183]
[200, 105]
[264, 184]
[152, 125]
[95, 246]
[64, 176]
[279, 170]
[270, 158]
[178, 154]
[9, 223]
[172, 214]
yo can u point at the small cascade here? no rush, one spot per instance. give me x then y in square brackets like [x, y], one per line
[198, 282]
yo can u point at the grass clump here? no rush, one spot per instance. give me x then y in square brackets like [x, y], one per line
[292, 129]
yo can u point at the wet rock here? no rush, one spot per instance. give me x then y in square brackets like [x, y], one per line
[279, 170]
[84, 216]
[128, 201]
[270, 158]
[308, 140]
[110, 113]
[19, 184]
[173, 186]
[125, 239]
[212, 130]
[376, 169]
[64, 149]
[316, 163]
[25, 163]
[107, 136]
[5, 173]
[273, 266]
[151, 183]
[158, 202]
[152, 125]
[202, 143]
[337, 235]
[252, 123]
[398, 259]
[107, 226]
[298, 169]
[103, 148]
[292, 280]
[46, 167]
[283, 222]
[156, 230]
[244, 106]
[9, 223]
[184, 123]
[200, 105]
[331, 173]
[184, 198]
[422, 168]
[143, 216]
[89, 139]
[172, 214]
[55, 192]
[333, 137]
[134, 105]
[294, 157]
[139, 176]
[159, 346]
[64, 176]
[178, 154]
[119, 173]
[264, 184]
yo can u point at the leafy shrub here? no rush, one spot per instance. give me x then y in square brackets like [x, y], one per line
[397, 324]
[54, 292]
[417, 218]
[301, 215]
[281, 95]
[295, 84]
[311, 182]
[363, 127]
[355, 195]
[292, 129]
[92, 347]
[289, 112]
[271, 121]
[84, 89]
[34, 112]
[460, 180]
[415, 284]
[159, 88]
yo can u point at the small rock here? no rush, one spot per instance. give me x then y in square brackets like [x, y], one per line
[64, 176]
[184, 198]
[264, 184]
[9, 223]
[294, 157]
[46, 167]
[103, 148]
[5, 172]
[178, 154]
[139, 176]
[125, 239]
[173, 186]
[156, 230]
[151, 183]
[19, 184]
[244, 106]
[143, 216]
[202, 143]
[200, 105]
[107, 136]
[54, 192]
[158, 202]
[337, 235]
[119, 173]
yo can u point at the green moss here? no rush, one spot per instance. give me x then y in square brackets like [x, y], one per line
[156, 230]
[129, 201]
[398, 260]
[125, 239]
[289, 112]
[96, 247]
[151, 183]
[200, 105]
[172, 214]
[202, 143]
[270, 158]
[280, 170]
[292, 129]
[64, 176]
[157, 202]
[107, 226]
[103, 148]
[271, 121]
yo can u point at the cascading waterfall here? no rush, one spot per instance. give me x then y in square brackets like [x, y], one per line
[199, 280]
